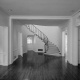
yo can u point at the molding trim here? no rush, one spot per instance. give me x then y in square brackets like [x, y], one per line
[78, 65]
[72, 64]
[39, 17]
[10, 40]
[15, 59]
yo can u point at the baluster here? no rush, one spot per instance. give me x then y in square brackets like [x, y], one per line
[41, 35]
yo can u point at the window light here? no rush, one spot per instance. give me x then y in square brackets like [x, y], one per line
[29, 40]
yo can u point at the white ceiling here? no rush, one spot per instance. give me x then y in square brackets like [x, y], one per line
[41, 7]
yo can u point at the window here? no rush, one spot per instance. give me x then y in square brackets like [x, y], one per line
[29, 40]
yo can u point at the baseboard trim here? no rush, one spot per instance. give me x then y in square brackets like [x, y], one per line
[15, 58]
[69, 64]
[79, 66]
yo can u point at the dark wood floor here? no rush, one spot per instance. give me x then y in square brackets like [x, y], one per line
[33, 66]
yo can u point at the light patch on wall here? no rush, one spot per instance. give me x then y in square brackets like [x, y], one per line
[29, 40]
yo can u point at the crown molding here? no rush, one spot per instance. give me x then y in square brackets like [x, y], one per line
[39, 17]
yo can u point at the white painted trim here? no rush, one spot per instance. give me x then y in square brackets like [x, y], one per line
[70, 42]
[15, 58]
[63, 43]
[10, 19]
[39, 17]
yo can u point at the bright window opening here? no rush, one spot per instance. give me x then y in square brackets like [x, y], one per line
[29, 40]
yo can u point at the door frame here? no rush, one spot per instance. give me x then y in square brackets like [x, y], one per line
[20, 47]
[64, 38]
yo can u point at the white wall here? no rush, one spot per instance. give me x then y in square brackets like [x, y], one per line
[74, 43]
[54, 33]
[4, 24]
[76, 49]
[39, 44]
[4, 18]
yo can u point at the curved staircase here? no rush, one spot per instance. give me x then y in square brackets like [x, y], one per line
[50, 48]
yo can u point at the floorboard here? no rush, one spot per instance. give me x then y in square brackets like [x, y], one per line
[40, 67]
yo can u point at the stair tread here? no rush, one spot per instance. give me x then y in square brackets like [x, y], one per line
[54, 54]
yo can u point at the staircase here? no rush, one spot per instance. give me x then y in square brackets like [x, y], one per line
[49, 46]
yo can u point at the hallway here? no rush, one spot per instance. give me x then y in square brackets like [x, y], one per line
[39, 66]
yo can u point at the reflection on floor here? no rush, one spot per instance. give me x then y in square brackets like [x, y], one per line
[34, 66]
